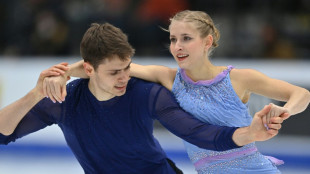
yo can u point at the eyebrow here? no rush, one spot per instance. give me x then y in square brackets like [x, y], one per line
[184, 34]
[121, 69]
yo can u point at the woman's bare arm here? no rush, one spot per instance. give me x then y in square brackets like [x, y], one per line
[154, 73]
[251, 81]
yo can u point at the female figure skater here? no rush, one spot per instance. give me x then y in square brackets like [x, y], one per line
[208, 92]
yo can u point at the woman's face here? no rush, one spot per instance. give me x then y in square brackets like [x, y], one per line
[186, 45]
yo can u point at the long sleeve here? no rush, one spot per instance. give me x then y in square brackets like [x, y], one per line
[166, 109]
[37, 118]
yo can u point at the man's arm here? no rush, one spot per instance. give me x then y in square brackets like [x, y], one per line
[204, 135]
[257, 131]
[12, 114]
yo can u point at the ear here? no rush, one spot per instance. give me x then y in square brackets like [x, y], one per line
[88, 68]
[209, 42]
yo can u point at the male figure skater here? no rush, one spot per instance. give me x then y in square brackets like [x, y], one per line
[107, 120]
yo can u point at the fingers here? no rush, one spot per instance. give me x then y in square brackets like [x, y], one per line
[265, 120]
[267, 117]
[64, 64]
[56, 70]
[61, 68]
[44, 87]
[276, 120]
[271, 113]
[274, 126]
[285, 116]
[273, 132]
[56, 92]
[49, 72]
[264, 111]
[63, 93]
[49, 92]
[275, 123]
[276, 111]
[55, 88]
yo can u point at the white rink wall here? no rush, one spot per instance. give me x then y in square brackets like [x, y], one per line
[19, 75]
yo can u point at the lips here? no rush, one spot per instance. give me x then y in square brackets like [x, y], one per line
[182, 57]
[120, 87]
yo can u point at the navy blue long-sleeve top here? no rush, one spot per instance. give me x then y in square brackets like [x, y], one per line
[116, 136]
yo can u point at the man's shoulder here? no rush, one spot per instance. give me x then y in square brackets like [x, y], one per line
[140, 87]
[136, 83]
[77, 84]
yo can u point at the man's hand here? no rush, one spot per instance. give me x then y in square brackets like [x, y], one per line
[55, 70]
[276, 111]
[12, 114]
[257, 128]
[257, 131]
[54, 87]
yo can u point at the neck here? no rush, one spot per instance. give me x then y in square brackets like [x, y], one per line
[202, 71]
[99, 94]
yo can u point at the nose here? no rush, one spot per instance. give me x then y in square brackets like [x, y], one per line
[124, 76]
[178, 46]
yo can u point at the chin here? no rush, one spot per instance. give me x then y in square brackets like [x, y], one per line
[182, 65]
[120, 93]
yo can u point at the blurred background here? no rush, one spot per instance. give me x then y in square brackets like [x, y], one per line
[257, 29]
[270, 36]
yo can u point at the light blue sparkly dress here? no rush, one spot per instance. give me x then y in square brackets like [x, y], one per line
[215, 101]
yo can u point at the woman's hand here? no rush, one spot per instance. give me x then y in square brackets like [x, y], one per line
[275, 111]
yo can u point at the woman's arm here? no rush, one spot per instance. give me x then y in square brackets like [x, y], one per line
[297, 99]
[76, 70]
[154, 73]
[55, 87]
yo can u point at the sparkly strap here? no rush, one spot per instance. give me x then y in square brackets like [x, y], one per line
[217, 79]
[204, 162]
[275, 161]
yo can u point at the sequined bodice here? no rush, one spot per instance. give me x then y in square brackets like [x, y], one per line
[215, 101]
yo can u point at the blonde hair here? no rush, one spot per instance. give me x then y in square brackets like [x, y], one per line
[203, 23]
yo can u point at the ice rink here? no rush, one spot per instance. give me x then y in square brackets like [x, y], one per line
[31, 155]
[45, 152]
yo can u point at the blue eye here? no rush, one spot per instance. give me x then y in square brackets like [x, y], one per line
[186, 38]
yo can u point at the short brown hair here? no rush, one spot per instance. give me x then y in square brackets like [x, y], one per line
[103, 41]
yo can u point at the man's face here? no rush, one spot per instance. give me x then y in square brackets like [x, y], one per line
[110, 79]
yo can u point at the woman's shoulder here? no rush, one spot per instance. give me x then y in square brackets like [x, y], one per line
[242, 74]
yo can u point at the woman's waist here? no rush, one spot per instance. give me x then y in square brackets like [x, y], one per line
[196, 154]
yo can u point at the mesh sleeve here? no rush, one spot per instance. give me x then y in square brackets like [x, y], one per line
[165, 108]
[40, 116]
